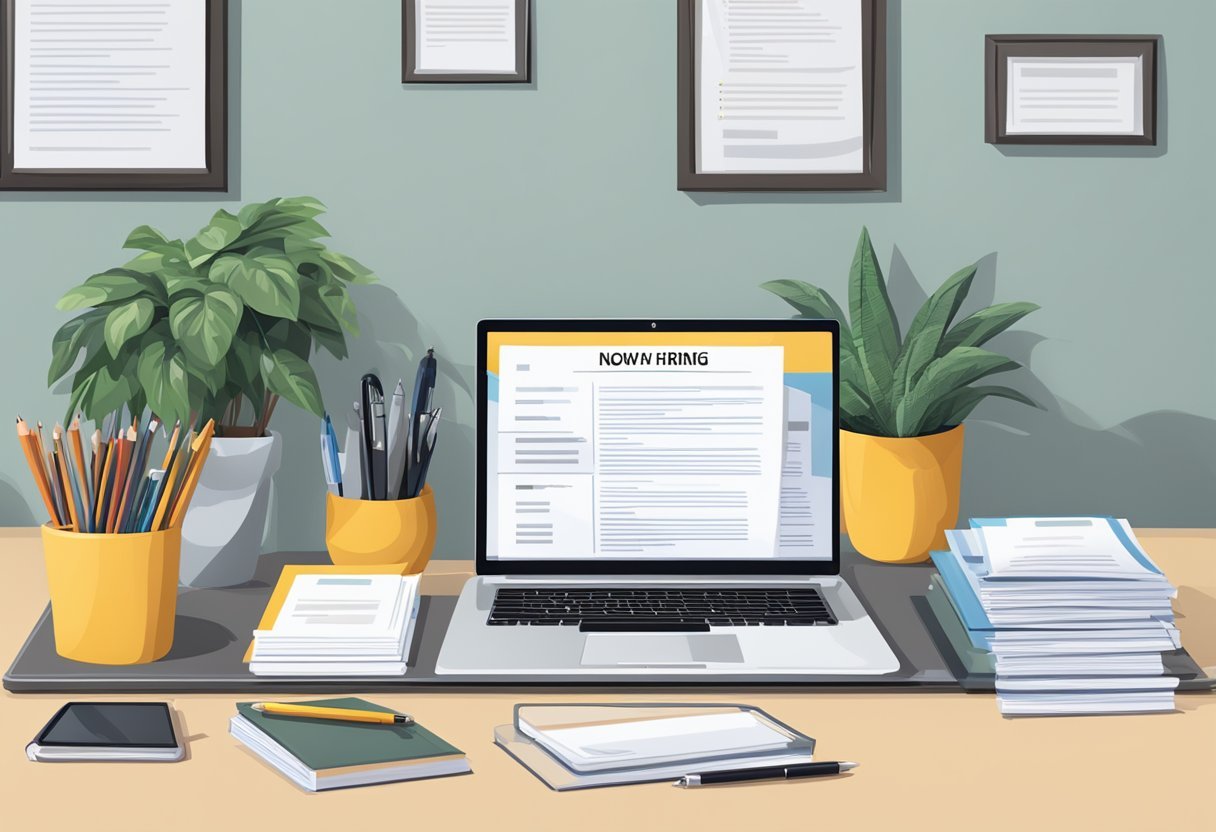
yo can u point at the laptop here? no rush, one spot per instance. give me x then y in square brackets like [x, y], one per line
[659, 497]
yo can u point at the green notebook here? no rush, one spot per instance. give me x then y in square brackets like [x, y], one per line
[325, 754]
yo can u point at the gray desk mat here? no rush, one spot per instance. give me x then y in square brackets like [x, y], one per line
[214, 626]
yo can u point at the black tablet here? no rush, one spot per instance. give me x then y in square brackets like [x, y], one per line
[115, 731]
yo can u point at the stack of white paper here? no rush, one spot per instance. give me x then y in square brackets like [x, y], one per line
[1074, 612]
[340, 625]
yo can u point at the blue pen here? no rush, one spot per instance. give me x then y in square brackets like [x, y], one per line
[329, 456]
[333, 453]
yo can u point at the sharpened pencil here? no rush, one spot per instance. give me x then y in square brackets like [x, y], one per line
[26, 437]
[81, 480]
[197, 459]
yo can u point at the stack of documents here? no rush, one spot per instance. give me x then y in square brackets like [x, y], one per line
[583, 746]
[340, 625]
[1069, 612]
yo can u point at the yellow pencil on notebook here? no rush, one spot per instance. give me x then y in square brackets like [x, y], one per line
[340, 714]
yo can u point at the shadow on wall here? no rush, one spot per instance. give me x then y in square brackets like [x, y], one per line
[390, 343]
[1157, 469]
[14, 510]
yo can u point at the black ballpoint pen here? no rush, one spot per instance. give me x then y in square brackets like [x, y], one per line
[711, 778]
[375, 437]
[424, 389]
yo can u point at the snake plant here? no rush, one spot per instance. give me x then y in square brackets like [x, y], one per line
[924, 381]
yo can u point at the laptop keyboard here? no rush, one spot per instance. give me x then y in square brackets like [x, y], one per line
[616, 609]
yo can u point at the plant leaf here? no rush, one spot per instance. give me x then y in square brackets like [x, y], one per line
[985, 324]
[214, 237]
[292, 336]
[306, 207]
[958, 407]
[875, 328]
[925, 334]
[266, 284]
[813, 302]
[204, 324]
[331, 342]
[291, 377]
[856, 410]
[111, 387]
[956, 369]
[170, 261]
[810, 301]
[147, 238]
[82, 331]
[275, 226]
[339, 302]
[162, 374]
[316, 312]
[110, 286]
[126, 321]
[348, 268]
[212, 378]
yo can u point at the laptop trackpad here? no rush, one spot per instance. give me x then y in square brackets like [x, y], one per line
[603, 649]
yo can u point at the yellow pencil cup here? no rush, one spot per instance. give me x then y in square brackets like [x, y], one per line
[113, 596]
[366, 532]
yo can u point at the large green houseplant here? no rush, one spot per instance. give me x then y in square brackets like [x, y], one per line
[903, 399]
[195, 328]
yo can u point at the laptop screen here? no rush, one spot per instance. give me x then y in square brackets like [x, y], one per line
[659, 445]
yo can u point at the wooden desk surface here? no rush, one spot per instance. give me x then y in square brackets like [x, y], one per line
[929, 760]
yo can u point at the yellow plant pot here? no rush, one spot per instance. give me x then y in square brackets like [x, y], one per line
[900, 494]
[366, 532]
[113, 596]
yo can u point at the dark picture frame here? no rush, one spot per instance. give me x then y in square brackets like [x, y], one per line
[873, 177]
[998, 49]
[523, 52]
[214, 177]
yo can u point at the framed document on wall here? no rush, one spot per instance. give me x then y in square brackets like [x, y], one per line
[459, 42]
[1070, 89]
[97, 95]
[782, 96]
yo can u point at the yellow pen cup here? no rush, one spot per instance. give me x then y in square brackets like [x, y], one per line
[113, 596]
[373, 532]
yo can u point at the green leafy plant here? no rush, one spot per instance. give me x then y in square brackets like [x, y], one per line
[919, 383]
[193, 328]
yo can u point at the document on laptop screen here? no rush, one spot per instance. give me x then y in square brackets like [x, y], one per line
[639, 451]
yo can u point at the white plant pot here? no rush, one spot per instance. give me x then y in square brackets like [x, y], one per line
[223, 528]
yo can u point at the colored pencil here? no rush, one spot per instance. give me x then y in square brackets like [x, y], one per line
[57, 490]
[122, 467]
[135, 478]
[65, 476]
[81, 479]
[198, 456]
[95, 463]
[165, 497]
[26, 438]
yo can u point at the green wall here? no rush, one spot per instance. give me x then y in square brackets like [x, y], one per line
[559, 199]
